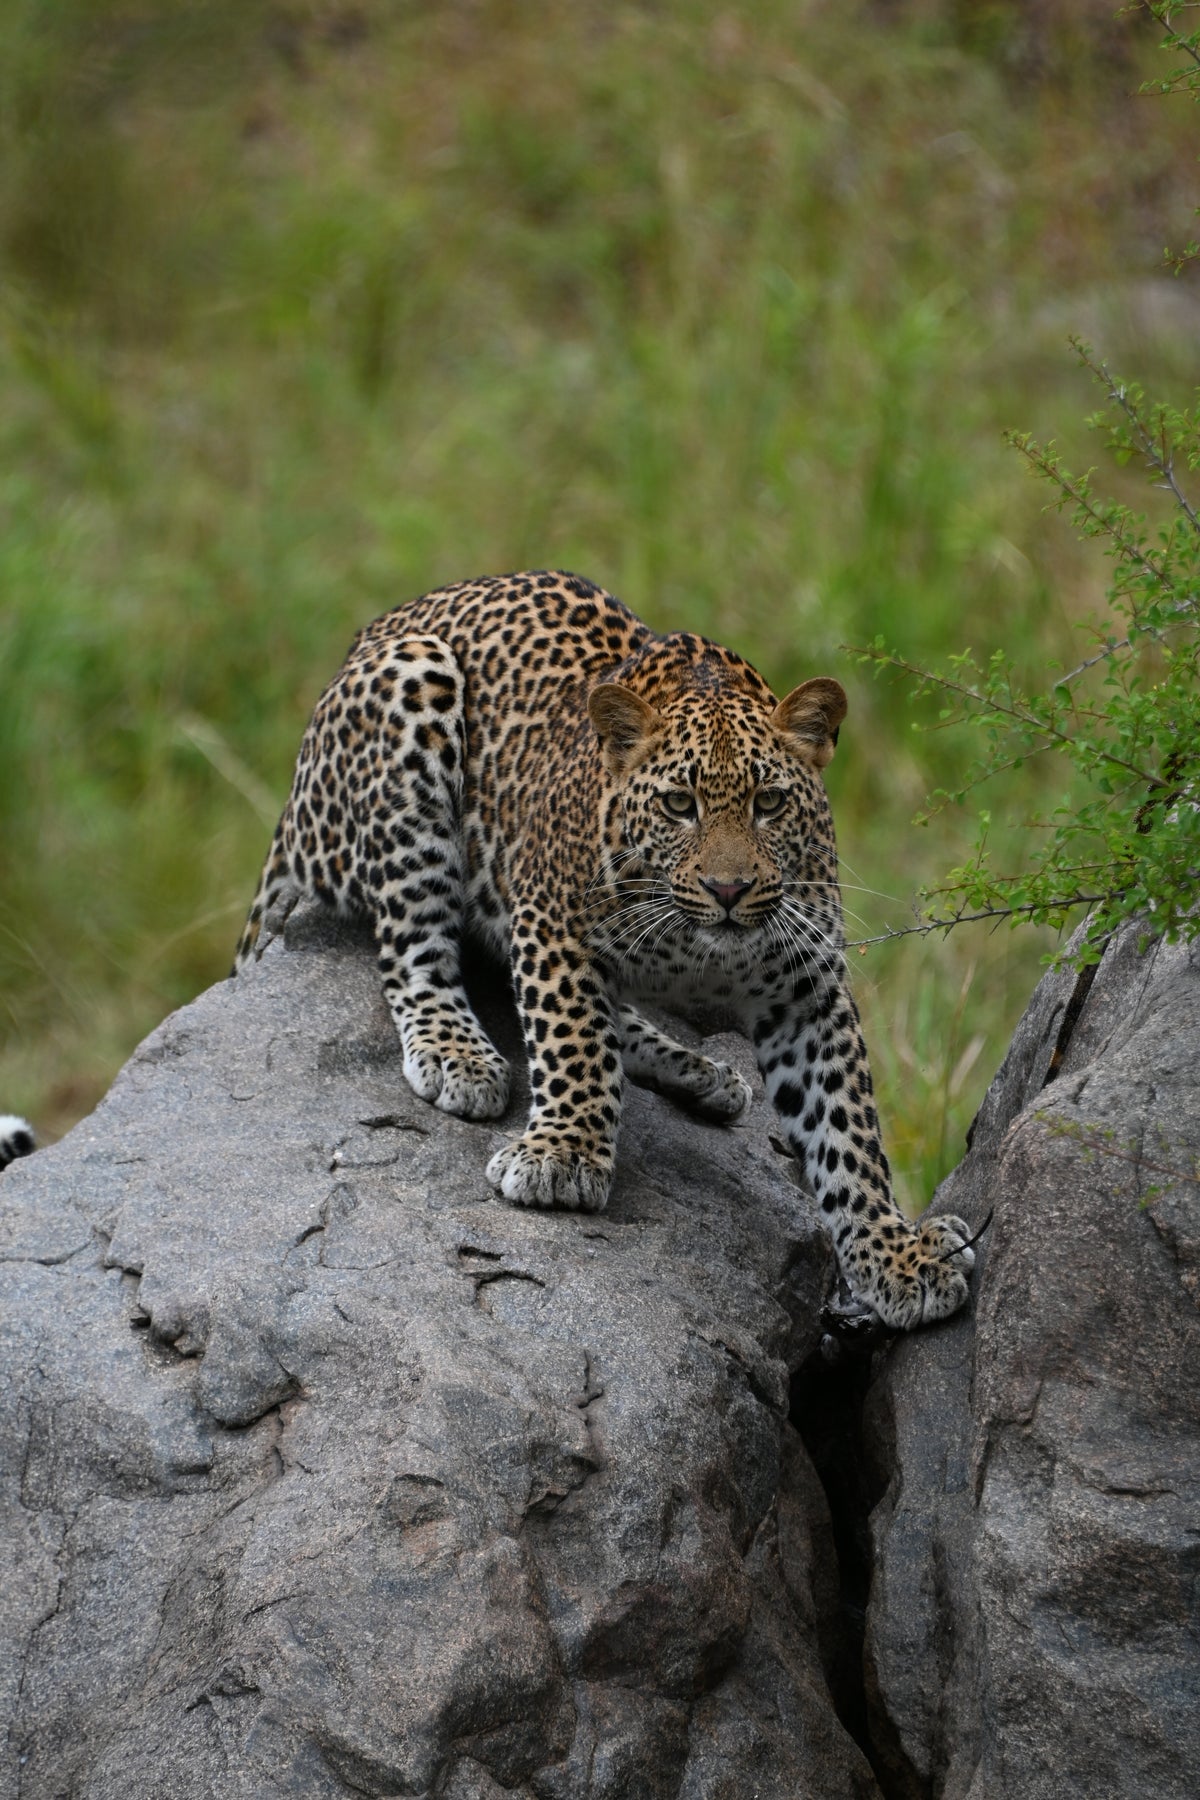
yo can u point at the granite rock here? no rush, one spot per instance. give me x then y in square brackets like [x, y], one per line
[325, 1472]
[1033, 1627]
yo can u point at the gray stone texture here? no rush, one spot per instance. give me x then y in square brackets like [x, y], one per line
[325, 1472]
[1034, 1628]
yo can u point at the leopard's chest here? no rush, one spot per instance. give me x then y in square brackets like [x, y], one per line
[653, 955]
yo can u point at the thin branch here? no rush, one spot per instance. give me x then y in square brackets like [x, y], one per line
[989, 912]
[1065, 1128]
[1037, 458]
[987, 774]
[1158, 459]
[993, 705]
[1110, 650]
[1084, 868]
[1161, 17]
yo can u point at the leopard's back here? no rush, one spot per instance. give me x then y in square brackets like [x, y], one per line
[530, 648]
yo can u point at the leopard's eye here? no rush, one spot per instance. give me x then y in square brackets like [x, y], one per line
[678, 803]
[769, 801]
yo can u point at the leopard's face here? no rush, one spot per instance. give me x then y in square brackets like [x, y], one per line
[725, 820]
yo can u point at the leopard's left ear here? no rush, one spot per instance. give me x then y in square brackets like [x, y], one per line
[624, 722]
[810, 717]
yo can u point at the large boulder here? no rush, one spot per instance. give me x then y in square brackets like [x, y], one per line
[324, 1472]
[1034, 1627]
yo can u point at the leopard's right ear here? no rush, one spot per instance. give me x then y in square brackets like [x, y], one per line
[623, 721]
[809, 718]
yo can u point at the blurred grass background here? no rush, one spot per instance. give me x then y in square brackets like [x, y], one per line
[310, 306]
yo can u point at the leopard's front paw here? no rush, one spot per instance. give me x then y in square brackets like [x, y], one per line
[924, 1279]
[469, 1086]
[947, 1240]
[729, 1097]
[532, 1173]
[450, 1061]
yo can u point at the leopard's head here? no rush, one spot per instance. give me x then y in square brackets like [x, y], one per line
[722, 803]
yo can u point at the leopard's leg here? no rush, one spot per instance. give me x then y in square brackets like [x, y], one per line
[565, 1155]
[713, 1089]
[411, 868]
[814, 1063]
[373, 826]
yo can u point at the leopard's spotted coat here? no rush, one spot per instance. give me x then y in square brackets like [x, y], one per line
[620, 814]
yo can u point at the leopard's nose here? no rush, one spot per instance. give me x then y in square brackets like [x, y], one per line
[727, 892]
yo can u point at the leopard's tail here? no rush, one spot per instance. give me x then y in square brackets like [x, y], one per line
[276, 880]
[16, 1138]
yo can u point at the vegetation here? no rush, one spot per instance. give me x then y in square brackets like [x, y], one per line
[1124, 842]
[311, 305]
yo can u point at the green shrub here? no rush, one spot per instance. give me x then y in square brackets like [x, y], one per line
[1123, 840]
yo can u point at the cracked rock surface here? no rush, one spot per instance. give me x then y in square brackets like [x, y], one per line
[324, 1472]
[1034, 1627]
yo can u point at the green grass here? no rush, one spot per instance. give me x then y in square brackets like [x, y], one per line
[310, 308]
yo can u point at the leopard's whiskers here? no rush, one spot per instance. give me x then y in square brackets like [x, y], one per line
[814, 958]
[846, 911]
[827, 950]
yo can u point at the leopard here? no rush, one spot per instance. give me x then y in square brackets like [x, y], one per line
[17, 1138]
[621, 816]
